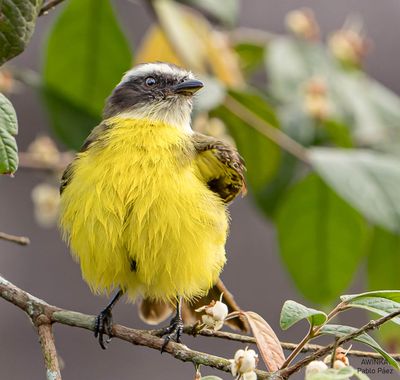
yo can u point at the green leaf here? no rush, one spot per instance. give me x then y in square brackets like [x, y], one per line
[384, 260]
[369, 181]
[268, 197]
[250, 56]
[321, 239]
[260, 154]
[336, 374]
[293, 312]
[384, 273]
[17, 22]
[85, 75]
[339, 133]
[290, 62]
[8, 129]
[71, 123]
[382, 302]
[340, 331]
[226, 11]
[211, 378]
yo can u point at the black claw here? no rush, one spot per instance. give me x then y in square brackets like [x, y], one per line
[103, 326]
[172, 332]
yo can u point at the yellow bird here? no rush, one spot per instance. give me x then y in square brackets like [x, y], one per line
[144, 203]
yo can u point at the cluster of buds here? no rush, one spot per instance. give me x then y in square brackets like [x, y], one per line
[316, 102]
[243, 365]
[46, 200]
[348, 45]
[43, 150]
[302, 23]
[215, 314]
[318, 366]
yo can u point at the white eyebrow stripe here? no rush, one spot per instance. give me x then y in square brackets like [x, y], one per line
[151, 68]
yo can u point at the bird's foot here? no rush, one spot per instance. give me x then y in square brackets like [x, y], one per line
[103, 326]
[172, 332]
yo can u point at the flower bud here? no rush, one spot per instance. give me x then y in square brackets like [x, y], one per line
[44, 150]
[244, 364]
[316, 102]
[348, 46]
[216, 313]
[314, 367]
[302, 23]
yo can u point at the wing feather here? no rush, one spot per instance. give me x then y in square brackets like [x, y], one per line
[221, 166]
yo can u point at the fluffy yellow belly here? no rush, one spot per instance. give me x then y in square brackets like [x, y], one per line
[136, 195]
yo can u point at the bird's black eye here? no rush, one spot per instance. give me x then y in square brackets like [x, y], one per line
[150, 81]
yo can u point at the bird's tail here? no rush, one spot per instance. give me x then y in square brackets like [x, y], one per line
[154, 312]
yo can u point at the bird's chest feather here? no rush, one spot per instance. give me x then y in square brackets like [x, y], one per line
[137, 195]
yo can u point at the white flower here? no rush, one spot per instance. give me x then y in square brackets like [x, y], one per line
[244, 364]
[314, 367]
[215, 315]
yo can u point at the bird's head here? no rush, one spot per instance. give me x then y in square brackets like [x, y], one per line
[156, 91]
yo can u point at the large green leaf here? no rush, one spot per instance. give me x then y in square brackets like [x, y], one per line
[8, 129]
[291, 62]
[341, 331]
[384, 273]
[85, 74]
[293, 312]
[71, 122]
[384, 261]
[321, 239]
[261, 155]
[251, 55]
[17, 22]
[369, 181]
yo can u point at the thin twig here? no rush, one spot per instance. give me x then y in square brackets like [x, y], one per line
[324, 350]
[36, 308]
[46, 339]
[48, 6]
[29, 161]
[21, 240]
[266, 129]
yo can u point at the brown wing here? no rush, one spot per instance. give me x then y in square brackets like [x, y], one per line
[221, 166]
[155, 312]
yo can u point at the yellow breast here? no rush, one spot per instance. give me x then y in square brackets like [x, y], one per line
[136, 195]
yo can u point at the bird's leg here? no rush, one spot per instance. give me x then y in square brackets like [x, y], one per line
[104, 322]
[175, 329]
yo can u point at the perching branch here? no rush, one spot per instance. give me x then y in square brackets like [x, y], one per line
[21, 240]
[29, 161]
[39, 310]
[49, 6]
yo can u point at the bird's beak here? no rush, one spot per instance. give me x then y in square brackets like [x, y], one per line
[189, 87]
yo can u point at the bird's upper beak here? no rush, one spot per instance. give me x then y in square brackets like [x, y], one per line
[188, 87]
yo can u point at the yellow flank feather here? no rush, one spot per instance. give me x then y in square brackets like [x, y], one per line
[137, 194]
